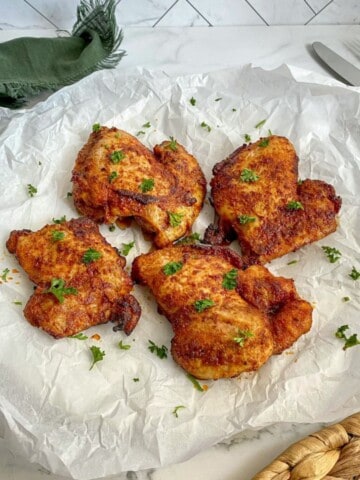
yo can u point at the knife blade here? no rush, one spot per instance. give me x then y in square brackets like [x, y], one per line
[339, 65]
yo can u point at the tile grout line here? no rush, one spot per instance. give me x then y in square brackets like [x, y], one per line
[165, 13]
[257, 13]
[199, 13]
[38, 11]
[308, 4]
[316, 14]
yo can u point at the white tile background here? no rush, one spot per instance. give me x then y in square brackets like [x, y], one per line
[33, 14]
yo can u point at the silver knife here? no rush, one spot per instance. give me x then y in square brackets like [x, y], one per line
[339, 65]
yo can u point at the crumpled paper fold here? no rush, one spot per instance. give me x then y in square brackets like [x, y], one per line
[121, 415]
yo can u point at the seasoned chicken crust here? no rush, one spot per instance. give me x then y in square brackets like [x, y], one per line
[257, 195]
[241, 328]
[98, 289]
[115, 177]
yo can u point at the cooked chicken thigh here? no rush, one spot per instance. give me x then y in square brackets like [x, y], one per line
[257, 195]
[226, 320]
[80, 278]
[115, 177]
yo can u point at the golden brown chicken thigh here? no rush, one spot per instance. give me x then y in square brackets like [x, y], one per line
[115, 177]
[226, 320]
[257, 195]
[80, 278]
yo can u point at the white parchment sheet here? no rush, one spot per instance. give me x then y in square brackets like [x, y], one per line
[87, 424]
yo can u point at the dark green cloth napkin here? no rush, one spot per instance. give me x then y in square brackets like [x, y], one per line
[29, 66]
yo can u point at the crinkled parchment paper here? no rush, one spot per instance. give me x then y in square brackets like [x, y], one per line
[88, 424]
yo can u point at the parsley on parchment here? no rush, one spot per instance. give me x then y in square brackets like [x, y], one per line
[97, 355]
[123, 346]
[32, 191]
[161, 352]
[195, 382]
[332, 253]
[127, 247]
[4, 274]
[349, 341]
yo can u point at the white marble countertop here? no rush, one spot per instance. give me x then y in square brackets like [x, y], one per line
[199, 49]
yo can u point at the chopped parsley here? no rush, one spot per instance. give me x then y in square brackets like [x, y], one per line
[247, 175]
[205, 126]
[294, 205]
[264, 142]
[90, 256]
[270, 132]
[127, 247]
[31, 190]
[292, 262]
[244, 219]
[247, 137]
[176, 409]
[112, 228]
[230, 279]
[147, 185]
[195, 382]
[332, 254]
[140, 132]
[112, 176]
[161, 352]
[175, 218]
[97, 354]
[4, 275]
[172, 267]
[69, 194]
[136, 379]
[96, 127]
[192, 101]
[172, 144]
[116, 156]
[79, 336]
[218, 99]
[260, 124]
[17, 303]
[190, 239]
[58, 289]
[123, 346]
[233, 109]
[355, 274]
[59, 220]
[146, 125]
[242, 336]
[349, 341]
[205, 303]
[346, 299]
[300, 182]
[57, 235]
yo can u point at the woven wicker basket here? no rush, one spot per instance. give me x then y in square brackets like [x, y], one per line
[330, 454]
